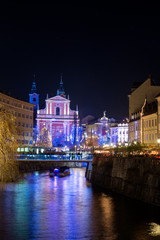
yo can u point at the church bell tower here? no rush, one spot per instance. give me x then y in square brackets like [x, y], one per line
[34, 99]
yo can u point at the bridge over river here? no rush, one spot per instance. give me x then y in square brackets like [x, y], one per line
[47, 160]
[56, 158]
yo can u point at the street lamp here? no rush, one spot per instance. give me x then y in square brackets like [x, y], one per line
[158, 141]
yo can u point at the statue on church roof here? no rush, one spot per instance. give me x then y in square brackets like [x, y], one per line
[104, 118]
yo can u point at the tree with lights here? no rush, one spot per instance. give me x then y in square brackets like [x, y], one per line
[9, 170]
[44, 139]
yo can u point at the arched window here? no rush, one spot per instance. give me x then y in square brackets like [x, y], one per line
[57, 111]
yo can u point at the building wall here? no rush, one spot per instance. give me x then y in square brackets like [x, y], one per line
[119, 134]
[150, 129]
[134, 131]
[139, 131]
[137, 97]
[23, 111]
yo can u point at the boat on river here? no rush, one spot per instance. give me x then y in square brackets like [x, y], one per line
[62, 171]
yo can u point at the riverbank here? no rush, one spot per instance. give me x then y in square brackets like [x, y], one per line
[137, 177]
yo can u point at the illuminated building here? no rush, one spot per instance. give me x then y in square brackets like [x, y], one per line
[23, 111]
[98, 133]
[61, 122]
[144, 112]
[119, 134]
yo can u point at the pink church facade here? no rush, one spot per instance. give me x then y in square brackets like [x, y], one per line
[61, 122]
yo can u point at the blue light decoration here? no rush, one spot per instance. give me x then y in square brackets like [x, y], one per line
[35, 134]
[59, 141]
[79, 134]
[76, 136]
[100, 141]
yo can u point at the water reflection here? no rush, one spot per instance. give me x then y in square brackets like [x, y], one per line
[40, 207]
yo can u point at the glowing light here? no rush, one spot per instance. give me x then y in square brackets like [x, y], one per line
[158, 140]
[154, 229]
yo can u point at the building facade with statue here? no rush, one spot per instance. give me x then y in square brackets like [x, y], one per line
[98, 132]
[59, 120]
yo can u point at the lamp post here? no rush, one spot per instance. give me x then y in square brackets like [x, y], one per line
[158, 141]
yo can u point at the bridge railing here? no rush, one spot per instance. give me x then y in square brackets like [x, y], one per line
[54, 157]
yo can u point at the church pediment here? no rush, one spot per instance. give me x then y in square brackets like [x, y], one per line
[58, 98]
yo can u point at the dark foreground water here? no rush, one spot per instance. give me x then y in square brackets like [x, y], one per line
[40, 207]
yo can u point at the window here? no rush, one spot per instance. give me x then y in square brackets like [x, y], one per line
[149, 123]
[30, 117]
[155, 122]
[30, 125]
[26, 134]
[34, 99]
[152, 123]
[26, 125]
[57, 111]
[27, 116]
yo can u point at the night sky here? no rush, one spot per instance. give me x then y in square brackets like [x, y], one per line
[101, 51]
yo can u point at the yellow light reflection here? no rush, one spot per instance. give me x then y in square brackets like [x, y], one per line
[154, 229]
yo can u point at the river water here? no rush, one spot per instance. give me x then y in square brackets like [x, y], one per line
[40, 207]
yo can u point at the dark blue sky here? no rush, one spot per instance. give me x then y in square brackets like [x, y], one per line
[101, 51]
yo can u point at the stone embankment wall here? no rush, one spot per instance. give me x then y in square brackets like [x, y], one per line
[28, 166]
[137, 177]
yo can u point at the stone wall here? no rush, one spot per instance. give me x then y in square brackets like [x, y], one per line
[137, 177]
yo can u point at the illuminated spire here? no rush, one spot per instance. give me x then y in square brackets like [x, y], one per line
[61, 91]
[34, 89]
[77, 107]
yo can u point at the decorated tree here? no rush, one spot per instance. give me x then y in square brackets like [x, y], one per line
[9, 170]
[44, 139]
